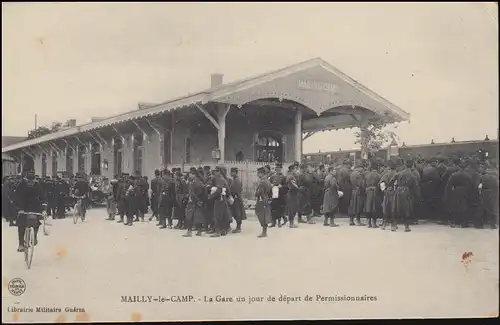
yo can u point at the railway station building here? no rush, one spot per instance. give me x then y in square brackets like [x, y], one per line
[247, 123]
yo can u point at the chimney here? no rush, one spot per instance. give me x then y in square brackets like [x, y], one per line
[216, 79]
[71, 123]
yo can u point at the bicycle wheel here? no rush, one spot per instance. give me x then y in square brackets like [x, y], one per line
[75, 213]
[29, 243]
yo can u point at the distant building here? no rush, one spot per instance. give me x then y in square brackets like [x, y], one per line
[456, 148]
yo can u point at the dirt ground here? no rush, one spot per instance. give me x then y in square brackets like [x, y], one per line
[94, 264]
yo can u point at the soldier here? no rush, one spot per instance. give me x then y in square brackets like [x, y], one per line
[49, 188]
[316, 191]
[237, 208]
[121, 197]
[278, 203]
[292, 201]
[430, 189]
[180, 193]
[330, 198]
[8, 196]
[475, 200]
[209, 204]
[195, 198]
[344, 179]
[444, 204]
[488, 189]
[155, 194]
[167, 200]
[358, 195]
[386, 185]
[263, 201]
[406, 192]
[373, 203]
[229, 211]
[459, 190]
[141, 195]
[62, 195]
[305, 184]
[219, 191]
[83, 187]
[29, 197]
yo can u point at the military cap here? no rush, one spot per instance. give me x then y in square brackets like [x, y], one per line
[261, 170]
[192, 169]
[219, 168]
[167, 172]
[296, 163]
[234, 169]
[278, 165]
[291, 167]
[157, 172]
[206, 168]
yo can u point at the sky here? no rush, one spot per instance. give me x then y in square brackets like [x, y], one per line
[437, 61]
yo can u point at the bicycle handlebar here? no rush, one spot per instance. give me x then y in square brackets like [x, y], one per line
[31, 213]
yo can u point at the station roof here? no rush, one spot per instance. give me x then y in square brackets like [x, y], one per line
[277, 84]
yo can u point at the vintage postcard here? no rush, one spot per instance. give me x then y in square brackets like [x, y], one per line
[249, 161]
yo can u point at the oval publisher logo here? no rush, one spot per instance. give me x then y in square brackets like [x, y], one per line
[17, 286]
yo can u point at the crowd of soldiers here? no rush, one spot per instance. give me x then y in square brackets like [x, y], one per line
[456, 192]
[58, 194]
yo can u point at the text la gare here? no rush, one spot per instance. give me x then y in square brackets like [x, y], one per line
[218, 298]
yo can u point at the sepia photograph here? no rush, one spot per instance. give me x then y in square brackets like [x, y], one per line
[239, 161]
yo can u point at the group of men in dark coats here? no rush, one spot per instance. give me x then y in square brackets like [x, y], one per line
[456, 192]
[204, 200]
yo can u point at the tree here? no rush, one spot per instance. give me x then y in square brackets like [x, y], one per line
[38, 132]
[56, 126]
[43, 130]
[373, 136]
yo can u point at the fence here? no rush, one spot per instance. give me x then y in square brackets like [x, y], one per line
[247, 171]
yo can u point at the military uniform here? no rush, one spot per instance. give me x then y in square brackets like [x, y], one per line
[357, 196]
[195, 199]
[278, 203]
[219, 191]
[155, 194]
[489, 198]
[406, 192]
[330, 199]
[373, 202]
[237, 208]
[263, 195]
[167, 200]
[458, 192]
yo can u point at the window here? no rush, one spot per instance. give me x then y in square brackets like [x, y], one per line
[44, 164]
[118, 147]
[269, 147]
[69, 161]
[54, 163]
[95, 159]
[138, 152]
[81, 159]
[188, 151]
[167, 145]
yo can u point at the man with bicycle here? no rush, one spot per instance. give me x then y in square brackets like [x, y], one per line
[29, 198]
[81, 190]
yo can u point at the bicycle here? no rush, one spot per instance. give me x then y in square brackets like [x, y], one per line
[78, 210]
[32, 221]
